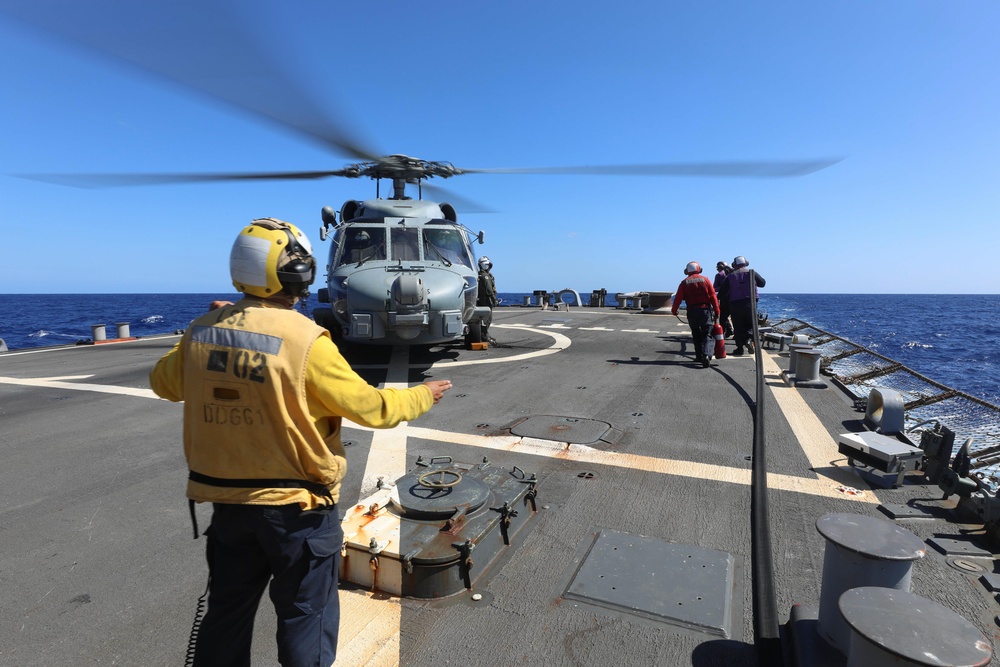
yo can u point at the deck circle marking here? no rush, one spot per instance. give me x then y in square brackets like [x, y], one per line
[560, 343]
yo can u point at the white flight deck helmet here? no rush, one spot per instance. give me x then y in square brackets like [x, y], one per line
[692, 268]
[740, 261]
[485, 264]
[270, 256]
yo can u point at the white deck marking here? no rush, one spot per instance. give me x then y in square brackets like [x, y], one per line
[41, 350]
[371, 637]
[369, 629]
[553, 326]
[595, 329]
[387, 456]
[560, 343]
[57, 383]
[639, 331]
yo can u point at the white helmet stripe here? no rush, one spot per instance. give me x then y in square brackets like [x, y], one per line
[248, 260]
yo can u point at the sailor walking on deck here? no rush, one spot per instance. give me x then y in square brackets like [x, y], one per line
[264, 391]
[738, 291]
[702, 307]
[723, 270]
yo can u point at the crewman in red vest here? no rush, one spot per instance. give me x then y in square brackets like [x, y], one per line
[702, 307]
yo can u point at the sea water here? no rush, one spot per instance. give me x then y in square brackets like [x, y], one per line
[951, 339]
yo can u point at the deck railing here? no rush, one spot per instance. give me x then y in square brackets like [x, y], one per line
[858, 370]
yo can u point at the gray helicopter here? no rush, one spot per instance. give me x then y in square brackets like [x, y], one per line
[400, 270]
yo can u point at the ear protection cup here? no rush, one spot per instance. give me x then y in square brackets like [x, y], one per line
[298, 272]
[296, 276]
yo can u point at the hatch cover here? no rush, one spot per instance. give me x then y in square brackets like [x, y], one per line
[439, 493]
[562, 429]
[676, 583]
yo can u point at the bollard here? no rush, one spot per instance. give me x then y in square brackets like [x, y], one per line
[885, 411]
[792, 358]
[3, 345]
[860, 551]
[807, 369]
[123, 330]
[894, 627]
[783, 343]
[98, 332]
[527, 300]
[660, 302]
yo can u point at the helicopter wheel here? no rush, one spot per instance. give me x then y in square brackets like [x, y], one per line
[475, 334]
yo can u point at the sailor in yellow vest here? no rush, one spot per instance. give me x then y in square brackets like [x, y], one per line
[264, 391]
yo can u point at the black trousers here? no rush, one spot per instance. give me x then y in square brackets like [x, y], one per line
[742, 321]
[299, 554]
[727, 327]
[700, 321]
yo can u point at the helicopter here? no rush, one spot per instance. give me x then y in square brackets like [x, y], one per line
[400, 271]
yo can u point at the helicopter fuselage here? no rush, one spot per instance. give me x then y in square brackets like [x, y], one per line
[400, 271]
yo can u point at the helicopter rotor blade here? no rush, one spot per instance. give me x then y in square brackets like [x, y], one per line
[198, 45]
[94, 181]
[768, 169]
[464, 204]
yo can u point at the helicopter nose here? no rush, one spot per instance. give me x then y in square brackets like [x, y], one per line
[408, 293]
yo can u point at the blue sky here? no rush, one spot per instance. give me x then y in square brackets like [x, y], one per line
[908, 93]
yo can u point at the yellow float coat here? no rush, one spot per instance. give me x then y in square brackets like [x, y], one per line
[264, 391]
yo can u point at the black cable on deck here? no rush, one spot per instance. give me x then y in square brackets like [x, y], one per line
[767, 637]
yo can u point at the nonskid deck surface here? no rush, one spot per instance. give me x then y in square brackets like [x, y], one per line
[99, 566]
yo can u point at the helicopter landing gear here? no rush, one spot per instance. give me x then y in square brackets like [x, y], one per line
[475, 334]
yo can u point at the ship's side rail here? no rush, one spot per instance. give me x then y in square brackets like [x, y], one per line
[859, 370]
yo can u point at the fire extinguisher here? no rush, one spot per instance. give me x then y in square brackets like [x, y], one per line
[720, 341]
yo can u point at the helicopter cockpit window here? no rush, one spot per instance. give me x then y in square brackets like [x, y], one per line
[362, 244]
[445, 244]
[404, 244]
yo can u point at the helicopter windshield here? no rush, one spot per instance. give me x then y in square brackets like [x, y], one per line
[362, 244]
[445, 244]
[404, 244]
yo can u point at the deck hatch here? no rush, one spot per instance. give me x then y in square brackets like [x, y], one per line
[573, 430]
[679, 584]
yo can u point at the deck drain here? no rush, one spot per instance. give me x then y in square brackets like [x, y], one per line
[586, 474]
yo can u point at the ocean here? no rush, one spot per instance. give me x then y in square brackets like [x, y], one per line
[951, 339]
